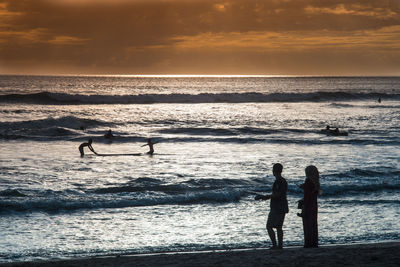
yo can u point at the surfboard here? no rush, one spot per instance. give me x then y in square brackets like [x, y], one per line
[110, 155]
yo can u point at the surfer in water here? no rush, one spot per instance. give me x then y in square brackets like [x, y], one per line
[150, 144]
[89, 145]
[109, 134]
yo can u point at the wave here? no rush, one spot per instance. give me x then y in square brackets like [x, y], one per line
[50, 134]
[11, 193]
[70, 122]
[233, 131]
[374, 106]
[48, 128]
[154, 192]
[361, 181]
[363, 202]
[286, 140]
[76, 99]
[351, 189]
[140, 192]
[75, 127]
[61, 204]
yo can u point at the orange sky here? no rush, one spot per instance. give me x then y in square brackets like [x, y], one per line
[271, 37]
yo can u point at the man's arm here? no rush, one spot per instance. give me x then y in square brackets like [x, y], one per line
[91, 148]
[275, 195]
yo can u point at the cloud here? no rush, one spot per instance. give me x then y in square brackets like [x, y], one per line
[176, 35]
[383, 39]
[67, 40]
[354, 10]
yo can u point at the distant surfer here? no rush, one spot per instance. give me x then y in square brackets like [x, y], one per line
[379, 100]
[89, 145]
[327, 130]
[335, 132]
[109, 134]
[150, 144]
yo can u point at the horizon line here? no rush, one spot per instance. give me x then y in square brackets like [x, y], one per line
[197, 75]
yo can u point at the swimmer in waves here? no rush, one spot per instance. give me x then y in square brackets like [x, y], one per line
[334, 132]
[109, 135]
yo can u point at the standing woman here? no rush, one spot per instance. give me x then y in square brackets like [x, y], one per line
[311, 189]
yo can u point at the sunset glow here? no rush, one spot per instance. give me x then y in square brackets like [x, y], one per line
[231, 37]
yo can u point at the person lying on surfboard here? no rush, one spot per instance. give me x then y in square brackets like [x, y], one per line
[150, 144]
[89, 145]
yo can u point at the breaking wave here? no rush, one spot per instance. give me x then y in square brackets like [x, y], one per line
[76, 99]
[152, 192]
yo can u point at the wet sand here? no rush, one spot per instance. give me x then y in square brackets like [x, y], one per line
[374, 254]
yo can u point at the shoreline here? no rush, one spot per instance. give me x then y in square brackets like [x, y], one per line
[363, 254]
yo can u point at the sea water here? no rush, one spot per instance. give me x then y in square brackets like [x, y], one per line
[217, 139]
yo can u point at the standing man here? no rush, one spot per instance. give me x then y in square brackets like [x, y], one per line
[278, 206]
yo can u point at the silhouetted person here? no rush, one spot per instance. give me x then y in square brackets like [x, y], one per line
[336, 131]
[328, 127]
[89, 145]
[109, 135]
[150, 144]
[379, 100]
[278, 206]
[311, 189]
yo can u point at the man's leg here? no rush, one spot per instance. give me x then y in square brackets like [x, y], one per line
[271, 234]
[279, 232]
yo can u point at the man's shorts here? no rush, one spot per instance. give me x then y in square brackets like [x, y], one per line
[275, 220]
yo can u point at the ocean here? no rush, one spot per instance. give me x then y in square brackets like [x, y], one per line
[217, 138]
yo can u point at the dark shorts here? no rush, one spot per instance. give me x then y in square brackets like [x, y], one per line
[275, 220]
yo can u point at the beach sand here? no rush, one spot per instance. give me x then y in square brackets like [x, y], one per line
[376, 254]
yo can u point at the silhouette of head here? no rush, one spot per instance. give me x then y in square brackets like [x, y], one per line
[90, 140]
[277, 169]
[312, 173]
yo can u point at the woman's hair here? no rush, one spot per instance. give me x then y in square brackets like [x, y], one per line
[312, 173]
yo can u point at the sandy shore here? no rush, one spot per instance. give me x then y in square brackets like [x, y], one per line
[377, 254]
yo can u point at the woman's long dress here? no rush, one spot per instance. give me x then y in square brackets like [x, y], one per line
[310, 215]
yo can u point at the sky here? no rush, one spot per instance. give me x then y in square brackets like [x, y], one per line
[231, 37]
